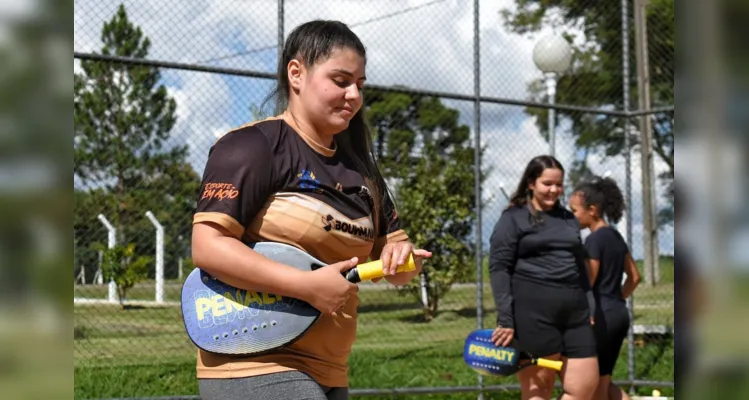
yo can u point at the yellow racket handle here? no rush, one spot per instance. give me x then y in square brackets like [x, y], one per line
[555, 365]
[373, 269]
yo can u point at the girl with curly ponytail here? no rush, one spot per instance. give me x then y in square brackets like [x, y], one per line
[597, 203]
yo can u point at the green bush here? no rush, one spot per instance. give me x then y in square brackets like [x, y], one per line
[121, 265]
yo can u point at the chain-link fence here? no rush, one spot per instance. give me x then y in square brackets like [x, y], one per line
[158, 82]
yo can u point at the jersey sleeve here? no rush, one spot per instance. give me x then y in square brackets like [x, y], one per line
[237, 181]
[593, 246]
[503, 255]
[390, 229]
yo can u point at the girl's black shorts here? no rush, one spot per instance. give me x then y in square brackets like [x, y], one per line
[552, 319]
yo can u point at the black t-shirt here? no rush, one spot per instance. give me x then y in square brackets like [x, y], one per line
[608, 246]
[549, 252]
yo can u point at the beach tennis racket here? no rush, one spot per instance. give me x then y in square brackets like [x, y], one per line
[481, 354]
[222, 319]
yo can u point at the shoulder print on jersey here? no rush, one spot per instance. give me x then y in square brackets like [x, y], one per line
[219, 191]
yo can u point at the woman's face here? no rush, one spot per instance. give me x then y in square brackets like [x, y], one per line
[582, 213]
[547, 188]
[330, 91]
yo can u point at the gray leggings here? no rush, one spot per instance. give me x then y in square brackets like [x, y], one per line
[291, 385]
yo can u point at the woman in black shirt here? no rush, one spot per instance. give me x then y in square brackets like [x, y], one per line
[539, 282]
[609, 259]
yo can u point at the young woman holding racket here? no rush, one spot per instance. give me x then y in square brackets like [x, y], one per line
[539, 283]
[597, 203]
[306, 178]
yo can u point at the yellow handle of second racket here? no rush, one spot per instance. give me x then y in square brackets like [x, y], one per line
[373, 269]
[553, 364]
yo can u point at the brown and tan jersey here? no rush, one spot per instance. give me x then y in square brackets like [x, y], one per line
[267, 182]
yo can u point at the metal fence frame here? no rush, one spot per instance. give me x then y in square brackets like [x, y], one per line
[627, 116]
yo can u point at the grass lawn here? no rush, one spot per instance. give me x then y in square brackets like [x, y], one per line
[418, 366]
[143, 351]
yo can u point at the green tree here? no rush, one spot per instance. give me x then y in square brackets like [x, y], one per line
[595, 78]
[121, 265]
[123, 118]
[428, 158]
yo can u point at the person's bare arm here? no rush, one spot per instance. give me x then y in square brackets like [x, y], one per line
[633, 277]
[229, 260]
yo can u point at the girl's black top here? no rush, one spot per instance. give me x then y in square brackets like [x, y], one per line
[608, 247]
[548, 251]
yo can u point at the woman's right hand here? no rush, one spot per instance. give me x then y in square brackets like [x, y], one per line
[328, 290]
[502, 336]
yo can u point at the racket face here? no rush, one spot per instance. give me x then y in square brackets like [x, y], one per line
[481, 354]
[222, 319]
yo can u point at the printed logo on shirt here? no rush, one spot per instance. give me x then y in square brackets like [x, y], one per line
[219, 191]
[365, 195]
[330, 223]
[307, 180]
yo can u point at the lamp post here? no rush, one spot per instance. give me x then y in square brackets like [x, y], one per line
[552, 55]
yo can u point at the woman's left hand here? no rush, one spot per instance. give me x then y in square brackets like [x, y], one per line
[395, 254]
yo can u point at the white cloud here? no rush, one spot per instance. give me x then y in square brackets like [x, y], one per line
[201, 117]
[183, 31]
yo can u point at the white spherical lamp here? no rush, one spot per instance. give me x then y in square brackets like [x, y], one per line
[552, 53]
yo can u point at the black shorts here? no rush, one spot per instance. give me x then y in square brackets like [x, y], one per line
[611, 328]
[550, 319]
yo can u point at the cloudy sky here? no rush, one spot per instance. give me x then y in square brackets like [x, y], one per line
[423, 44]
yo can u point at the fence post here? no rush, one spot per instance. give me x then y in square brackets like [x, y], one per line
[631, 300]
[628, 183]
[159, 257]
[111, 241]
[650, 228]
